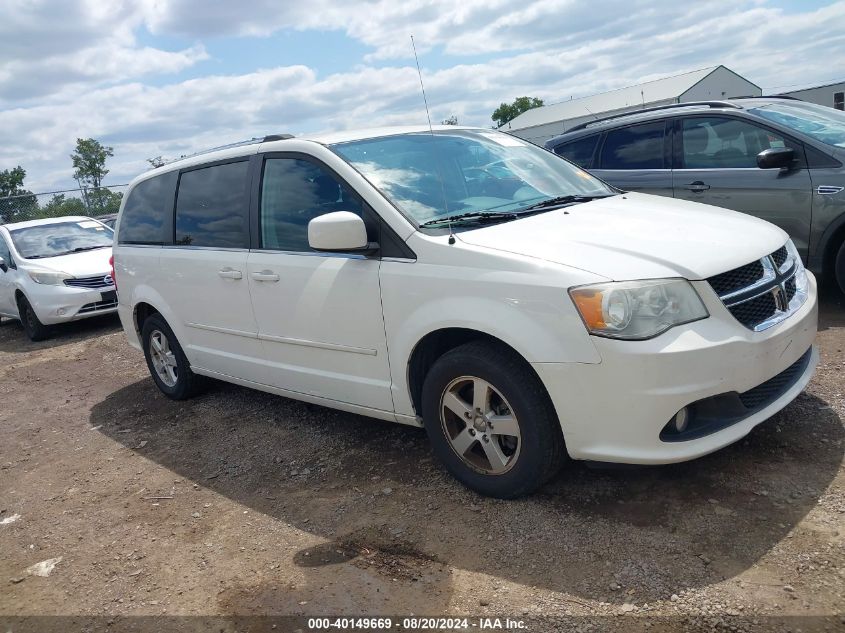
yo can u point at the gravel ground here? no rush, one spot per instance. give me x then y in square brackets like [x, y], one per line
[239, 503]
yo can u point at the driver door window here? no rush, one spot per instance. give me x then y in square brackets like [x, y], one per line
[722, 143]
[294, 192]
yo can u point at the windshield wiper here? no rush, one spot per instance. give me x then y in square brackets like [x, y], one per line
[473, 216]
[87, 248]
[559, 201]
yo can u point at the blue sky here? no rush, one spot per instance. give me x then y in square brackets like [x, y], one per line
[168, 77]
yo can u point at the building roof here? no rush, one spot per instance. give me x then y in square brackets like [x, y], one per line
[648, 92]
[811, 87]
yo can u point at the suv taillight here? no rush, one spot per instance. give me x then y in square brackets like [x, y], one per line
[113, 278]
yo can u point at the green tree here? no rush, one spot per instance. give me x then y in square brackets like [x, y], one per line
[16, 203]
[452, 120]
[509, 111]
[59, 206]
[89, 165]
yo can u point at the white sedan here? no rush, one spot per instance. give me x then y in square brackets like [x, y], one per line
[55, 270]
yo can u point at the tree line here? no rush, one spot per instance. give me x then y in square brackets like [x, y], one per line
[17, 203]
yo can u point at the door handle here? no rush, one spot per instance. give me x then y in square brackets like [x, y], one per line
[265, 275]
[230, 273]
[697, 186]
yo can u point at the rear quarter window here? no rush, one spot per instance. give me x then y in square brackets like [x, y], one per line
[580, 151]
[148, 212]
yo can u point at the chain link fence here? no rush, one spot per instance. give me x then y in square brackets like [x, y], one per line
[89, 201]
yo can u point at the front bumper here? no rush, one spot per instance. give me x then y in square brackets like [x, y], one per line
[59, 304]
[615, 410]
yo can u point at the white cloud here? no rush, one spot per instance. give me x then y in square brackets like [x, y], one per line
[90, 71]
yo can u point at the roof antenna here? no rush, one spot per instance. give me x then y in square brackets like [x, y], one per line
[431, 131]
[591, 112]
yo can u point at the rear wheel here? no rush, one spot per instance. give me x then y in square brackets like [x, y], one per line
[490, 421]
[166, 361]
[839, 268]
[34, 328]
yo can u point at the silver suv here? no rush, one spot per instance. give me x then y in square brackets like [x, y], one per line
[777, 158]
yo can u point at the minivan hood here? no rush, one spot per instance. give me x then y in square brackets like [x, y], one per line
[84, 264]
[636, 236]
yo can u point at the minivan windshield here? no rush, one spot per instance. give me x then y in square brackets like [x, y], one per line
[819, 122]
[60, 238]
[472, 174]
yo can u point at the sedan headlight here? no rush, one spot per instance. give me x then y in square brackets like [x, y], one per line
[637, 309]
[48, 277]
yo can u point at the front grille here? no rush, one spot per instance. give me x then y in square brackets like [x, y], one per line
[100, 281]
[780, 256]
[755, 311]
[97, 306]
[773, 388]
[760, 294]
[737, 279]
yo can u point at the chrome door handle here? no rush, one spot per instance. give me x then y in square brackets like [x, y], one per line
[265, 275]
[697, 186]
[230, 273]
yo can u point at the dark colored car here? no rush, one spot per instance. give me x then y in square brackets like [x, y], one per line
[109, 219]
[779, 159]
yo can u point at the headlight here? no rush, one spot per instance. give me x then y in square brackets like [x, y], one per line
[801, 281]
[48, 277]
[637, 309]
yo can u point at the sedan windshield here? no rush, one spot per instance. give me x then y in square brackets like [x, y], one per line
[471, 174]
[60, 238]
[821, 123]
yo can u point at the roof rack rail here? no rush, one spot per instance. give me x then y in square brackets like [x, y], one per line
[276, 137]
[670, 106]
[251, 141]
[790, 97]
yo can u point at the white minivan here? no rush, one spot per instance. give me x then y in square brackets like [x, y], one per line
[463, 280]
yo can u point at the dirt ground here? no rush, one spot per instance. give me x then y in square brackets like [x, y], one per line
[239, 503]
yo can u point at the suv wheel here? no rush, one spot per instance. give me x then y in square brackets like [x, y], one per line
[166, 361]
[839, 268]
[34, 328]
[490, 421]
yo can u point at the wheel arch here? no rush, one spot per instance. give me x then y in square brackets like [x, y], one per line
[435, 344]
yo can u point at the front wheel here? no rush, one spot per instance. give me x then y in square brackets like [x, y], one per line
[839, 268]
[490, 421]
[166, 361]
[34, 328]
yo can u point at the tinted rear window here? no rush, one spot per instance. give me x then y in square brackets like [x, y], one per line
[212, 207]
[635, 147]
[148, 212]
[580, 151]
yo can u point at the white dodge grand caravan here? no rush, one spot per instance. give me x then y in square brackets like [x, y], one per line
[469, 282]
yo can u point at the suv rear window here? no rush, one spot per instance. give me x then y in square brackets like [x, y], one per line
[212, 207]
[580, 151]
[148, 211]
[634, 147]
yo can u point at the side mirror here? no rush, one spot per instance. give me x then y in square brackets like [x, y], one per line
[775, 157]
[3, 265]
[339, 232]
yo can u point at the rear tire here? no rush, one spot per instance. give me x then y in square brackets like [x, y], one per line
[34, 328]
[491, 422]
[168, 365]
[839, 268]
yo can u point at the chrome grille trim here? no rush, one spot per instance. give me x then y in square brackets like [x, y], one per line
[98, 281]
[780, 279]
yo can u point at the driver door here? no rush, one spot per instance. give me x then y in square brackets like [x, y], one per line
[716, 163]
[7, 286]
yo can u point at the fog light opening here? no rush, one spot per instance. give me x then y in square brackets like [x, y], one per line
[61, 311]
[681, 420]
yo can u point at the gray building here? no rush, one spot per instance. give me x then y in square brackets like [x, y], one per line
[714, 83]
[831, 95]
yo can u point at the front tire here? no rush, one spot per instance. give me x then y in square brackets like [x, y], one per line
[34, 328]
[168, 365]
[490, 421]
[839, 268]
